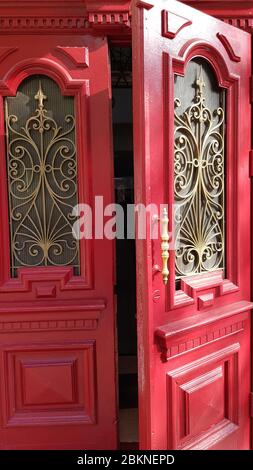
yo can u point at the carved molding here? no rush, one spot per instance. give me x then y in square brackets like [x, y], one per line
[241, 22]
[45, 389]
[216, 433]
[79, 56]
[185, 408]
[33, 23]
[97, 19]
[182, 336]
[227, 45]
[48, 325]
[6, 51]
[212, 283]
[173, 24]
[201, 340]
[58, 316]
[28, 16]
[44, 283]
[234, 12]
[58, 24]
[145, 5]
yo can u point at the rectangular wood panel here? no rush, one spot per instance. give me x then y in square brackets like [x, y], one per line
[51, 384]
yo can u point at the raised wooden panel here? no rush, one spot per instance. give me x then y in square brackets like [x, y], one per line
[51, 384]
[203, 396]
[203, 393]
[48, 382]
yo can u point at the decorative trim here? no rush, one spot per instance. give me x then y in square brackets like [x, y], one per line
[193, 286]
[49, 325]
[202, 380]
[216, 433]
[56, 24]
[172, 24]
[145, 5]
[245, 23]
[97, 19]
[46, 3]
[188, 378]
[198, 46]
[77, 87]
[67, 316]
[241, 16]
[201, 340]
[173, 339]
[30, 24]
[77, 404]
[5, 52]
[225, 42]
[88, 20]
[205, 300]
[32, 279]
[221, 65]
[79, 56]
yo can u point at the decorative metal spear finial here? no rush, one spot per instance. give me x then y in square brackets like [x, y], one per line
[200, 82]
[40, 96]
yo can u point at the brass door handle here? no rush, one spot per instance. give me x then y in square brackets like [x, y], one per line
[165, 245]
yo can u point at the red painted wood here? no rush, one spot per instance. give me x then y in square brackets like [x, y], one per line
[235, 12]
[194, 344]
[57, 344]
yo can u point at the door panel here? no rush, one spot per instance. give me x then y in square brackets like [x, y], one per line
[192, 142]
[56, 305]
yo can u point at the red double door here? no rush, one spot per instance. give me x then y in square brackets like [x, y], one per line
[57, 318]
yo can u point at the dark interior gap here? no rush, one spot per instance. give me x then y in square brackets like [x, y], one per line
[121, 69]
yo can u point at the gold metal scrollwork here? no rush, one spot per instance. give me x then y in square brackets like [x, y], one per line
[42, 188]
[199, 185]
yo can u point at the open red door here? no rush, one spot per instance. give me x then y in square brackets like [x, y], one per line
[192, 142]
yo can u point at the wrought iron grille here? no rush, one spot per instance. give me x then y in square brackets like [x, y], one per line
[121, 67]
[42, 175]
[199, 171]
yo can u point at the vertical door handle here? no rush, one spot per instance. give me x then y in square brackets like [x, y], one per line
[165, 245]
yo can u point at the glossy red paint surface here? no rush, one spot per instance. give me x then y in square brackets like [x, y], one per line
[194, 348]
[57, 338]
[194, 344]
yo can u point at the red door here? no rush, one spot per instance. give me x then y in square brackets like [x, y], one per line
[57, 354]
[192, 142]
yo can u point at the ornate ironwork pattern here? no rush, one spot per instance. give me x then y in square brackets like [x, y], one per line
[121, 67]
[42, 181]
[199, 185]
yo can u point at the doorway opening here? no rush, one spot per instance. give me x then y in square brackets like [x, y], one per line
[125, 289]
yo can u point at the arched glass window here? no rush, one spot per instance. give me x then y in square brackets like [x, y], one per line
[42, 175]
[199, 171]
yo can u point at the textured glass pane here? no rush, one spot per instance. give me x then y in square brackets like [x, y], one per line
[199, 170]
[42, 182]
